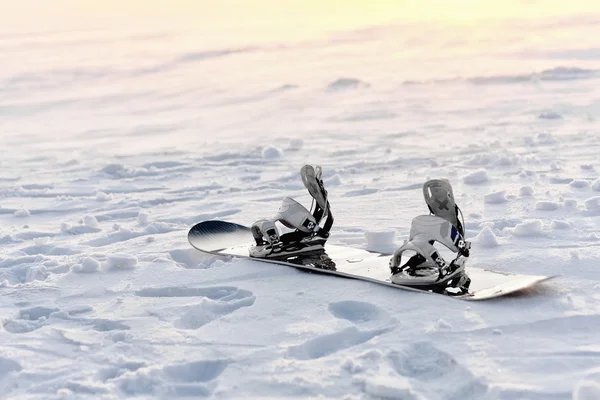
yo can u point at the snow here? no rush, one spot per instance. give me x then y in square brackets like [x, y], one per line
[272, 152]
[380, 239]
[550, 115]
[593, 203]
[526, 191]
[22, 213]
[345, 84]
[335, 180]
[495, 197]
[143, 218]
[476, 177]
[570, 203]
[580, 184]
[556, 224]
[118, 135]
[486, 238]
[384, 387]
[90, 221]
[87, 265]
[121, 261]
[546, 205]
[587, 389]
[530, 227]
[101, 196]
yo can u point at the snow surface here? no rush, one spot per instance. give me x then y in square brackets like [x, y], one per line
[115, 142]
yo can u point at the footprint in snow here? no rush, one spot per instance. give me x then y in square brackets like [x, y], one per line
[423, 361]
[426, 365]
[215, 302]
[193, 379]
[33, 318]
[357, 311]
[29, 319]
[7, 366]
[324, 345]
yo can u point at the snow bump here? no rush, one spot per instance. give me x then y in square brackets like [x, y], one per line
[476, 178]
[579, 184]
[387, 387]
[272, 153]
[586, 389]
[101, 196]
[121, 261]
[495, 197]
[486, 238]
[22, 213]
[593, 203]
[196, 371]
[88, 265]
[143, 218]
[530, 227]
[90, 221]
[556, 224]
[526, 191]
[346, 84]
[380, 238]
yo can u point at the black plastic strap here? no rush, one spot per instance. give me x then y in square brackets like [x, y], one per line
[294, 236]
[324, 232]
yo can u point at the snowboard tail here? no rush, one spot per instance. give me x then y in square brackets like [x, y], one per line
[229, 239]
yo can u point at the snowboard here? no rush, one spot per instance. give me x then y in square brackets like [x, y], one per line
[229, 239]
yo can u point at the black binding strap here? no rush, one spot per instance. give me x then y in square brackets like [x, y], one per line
[318, 215]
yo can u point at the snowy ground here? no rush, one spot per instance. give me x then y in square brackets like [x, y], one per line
[111, 154]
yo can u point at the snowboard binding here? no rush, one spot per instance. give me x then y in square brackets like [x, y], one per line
[308, 236]
[426, 269]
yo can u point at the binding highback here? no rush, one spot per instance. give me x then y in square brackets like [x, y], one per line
[440, 200]
[312, 179]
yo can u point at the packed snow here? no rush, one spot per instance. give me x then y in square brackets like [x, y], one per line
[115, 141]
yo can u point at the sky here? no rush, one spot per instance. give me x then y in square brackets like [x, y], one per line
[268, 19]
[391, 40]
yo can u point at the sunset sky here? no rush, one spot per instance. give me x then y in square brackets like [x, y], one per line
[425, 39]
[287, 19]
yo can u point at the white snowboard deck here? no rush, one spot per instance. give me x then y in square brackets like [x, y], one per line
[227, 239]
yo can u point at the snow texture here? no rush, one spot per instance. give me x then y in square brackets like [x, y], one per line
[495, 197]
[121, 130]
[101, 196]
[121, 261]
[570, 203]
[531, 227]
[90, 221]
[379, 239]
[476, 178]
[550, 115]
[547, 205]
[580, 183]
[272, 152]
[22, 213]
[593, 203]
[556, 224]
[526, 191]
[486, 238]
[87, 265]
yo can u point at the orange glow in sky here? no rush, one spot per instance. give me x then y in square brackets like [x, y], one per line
[287, 18]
